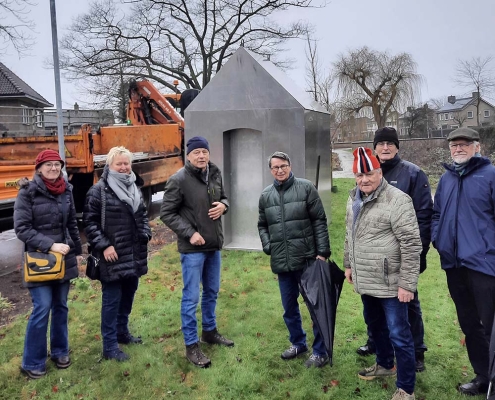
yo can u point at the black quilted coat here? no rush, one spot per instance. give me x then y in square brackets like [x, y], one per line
[292, 224]
[38, 222]
[126, 230]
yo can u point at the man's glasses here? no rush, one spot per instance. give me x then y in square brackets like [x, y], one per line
[382, 144]
[283, 167]
[50, 165]
[461, 146]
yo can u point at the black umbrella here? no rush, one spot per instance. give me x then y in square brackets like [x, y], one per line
[320, 286]
[491, 367]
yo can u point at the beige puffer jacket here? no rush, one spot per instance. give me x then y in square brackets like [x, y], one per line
[383, 250]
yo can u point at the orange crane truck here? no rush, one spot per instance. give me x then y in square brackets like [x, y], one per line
[154, 133]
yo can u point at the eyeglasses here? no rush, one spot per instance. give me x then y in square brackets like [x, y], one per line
[283, 167]
[50, 165]
[461, 146]
[382, 144]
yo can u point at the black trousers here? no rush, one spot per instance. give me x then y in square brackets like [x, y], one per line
[473, 294]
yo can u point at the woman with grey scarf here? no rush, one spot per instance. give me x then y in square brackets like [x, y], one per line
[116, 226]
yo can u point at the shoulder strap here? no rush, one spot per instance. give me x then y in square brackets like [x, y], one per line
[103, 199]
[64, 214]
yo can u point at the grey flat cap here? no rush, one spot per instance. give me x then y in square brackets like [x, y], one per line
[463, 133]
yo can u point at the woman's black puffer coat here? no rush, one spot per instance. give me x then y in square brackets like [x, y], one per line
[126, 230]
[38, 222]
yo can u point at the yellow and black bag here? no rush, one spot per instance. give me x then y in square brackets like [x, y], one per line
[42, 267]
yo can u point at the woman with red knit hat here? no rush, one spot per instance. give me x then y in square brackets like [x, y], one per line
[45, 220]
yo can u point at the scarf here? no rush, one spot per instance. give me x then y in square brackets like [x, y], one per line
[125, 188]
[55, 188]
[461, 167]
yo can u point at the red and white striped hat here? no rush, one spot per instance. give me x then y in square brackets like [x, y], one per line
[364, 161]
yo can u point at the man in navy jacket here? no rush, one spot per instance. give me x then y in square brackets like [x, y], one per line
[463, 232]
[409, 178]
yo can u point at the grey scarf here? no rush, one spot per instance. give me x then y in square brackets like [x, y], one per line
[125, 188]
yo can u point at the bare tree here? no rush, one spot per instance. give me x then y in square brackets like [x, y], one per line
[459, 117]
[477, 74]
[437, 103]
[319, 81]
[188, 41]
[370, 79]
[15, 26]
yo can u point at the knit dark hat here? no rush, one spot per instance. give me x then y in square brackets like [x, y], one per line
[197, 142]
[386, 134]
[364, 161]
[47, 155]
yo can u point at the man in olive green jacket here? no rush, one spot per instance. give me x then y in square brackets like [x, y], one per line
[381, 257]
[293, 230]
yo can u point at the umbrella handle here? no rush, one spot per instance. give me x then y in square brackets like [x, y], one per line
[488, 394]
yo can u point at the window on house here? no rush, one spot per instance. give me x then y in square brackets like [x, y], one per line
[446, 116]
[454, 126]
[487, 113]
[451, 116]
[25, 115]
[470, 114]
[39, 119]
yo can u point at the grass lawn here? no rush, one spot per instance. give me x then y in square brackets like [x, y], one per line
[249, 312]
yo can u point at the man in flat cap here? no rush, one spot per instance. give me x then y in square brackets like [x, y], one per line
[193, 203]
[381, 259]
[409, 178]
[463, 232]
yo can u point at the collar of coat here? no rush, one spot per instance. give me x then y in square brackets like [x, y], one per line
[285, 184]
[389, 164]
[139, 181]
[473, 164]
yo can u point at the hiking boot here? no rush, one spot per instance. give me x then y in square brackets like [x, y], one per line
[213, 337]
[316, 361]
[401, 395]
[477, 386]
[33, 374]
[293, 352]
[366, 350]
[376, 371]
[117, 355]
[127, 338]
[420, 362]
[196, 356]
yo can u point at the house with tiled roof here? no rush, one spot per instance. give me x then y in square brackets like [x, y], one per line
[463, 112]
[21, 107]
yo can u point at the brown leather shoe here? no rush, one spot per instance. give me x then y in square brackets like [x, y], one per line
[196, 356]
[214, 337]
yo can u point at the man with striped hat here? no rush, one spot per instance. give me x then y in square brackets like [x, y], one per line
[381, 258]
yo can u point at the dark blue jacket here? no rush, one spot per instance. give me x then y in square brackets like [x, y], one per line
[463, 225]
[38, 222]
[409, 178]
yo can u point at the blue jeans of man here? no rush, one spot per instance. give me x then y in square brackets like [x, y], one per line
[288, 283]
[388, 321]
[199, 268]
[116, 305]
[417, 327]
[45, 299]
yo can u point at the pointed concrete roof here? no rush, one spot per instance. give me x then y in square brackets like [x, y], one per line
[11, 86]
[247, 81]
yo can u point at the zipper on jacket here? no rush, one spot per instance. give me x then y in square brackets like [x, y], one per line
[457, 221]
[283, 229]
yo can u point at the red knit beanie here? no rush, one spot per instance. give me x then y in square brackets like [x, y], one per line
[364, 160]
[47, 155]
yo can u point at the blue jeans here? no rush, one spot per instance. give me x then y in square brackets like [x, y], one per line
[288, 283]
[116, 305]
[388, 321]
[197, 268]
[417, 327]
[45, 299]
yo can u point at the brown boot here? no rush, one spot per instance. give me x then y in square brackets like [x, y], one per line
[213, 337]
[196, 356]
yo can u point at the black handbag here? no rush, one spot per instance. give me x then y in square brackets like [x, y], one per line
[93, 261]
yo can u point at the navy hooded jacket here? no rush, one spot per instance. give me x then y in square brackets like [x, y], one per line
[463, 224]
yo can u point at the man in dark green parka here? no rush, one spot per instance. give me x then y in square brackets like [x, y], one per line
[293, 229]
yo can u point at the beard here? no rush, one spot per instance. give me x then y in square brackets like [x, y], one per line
[461, 158]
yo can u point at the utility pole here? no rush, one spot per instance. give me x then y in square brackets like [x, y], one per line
[58, 91]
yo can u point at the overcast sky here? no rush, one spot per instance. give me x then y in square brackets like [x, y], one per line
[435, 32]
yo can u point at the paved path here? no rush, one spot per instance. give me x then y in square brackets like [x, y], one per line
[346, 161]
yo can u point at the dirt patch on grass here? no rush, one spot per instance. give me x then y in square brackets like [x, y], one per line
[16, 299]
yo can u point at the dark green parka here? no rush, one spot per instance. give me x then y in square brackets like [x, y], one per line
[292, 224]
